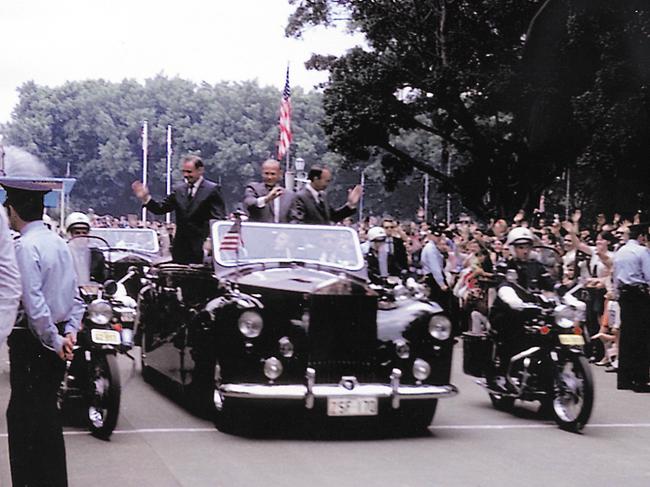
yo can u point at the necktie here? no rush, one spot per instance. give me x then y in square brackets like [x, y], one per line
[321, 201]
[190, 191]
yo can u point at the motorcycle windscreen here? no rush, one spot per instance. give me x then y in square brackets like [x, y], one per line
[80, 250]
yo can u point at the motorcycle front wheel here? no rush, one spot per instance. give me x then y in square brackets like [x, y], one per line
[572, 395]
[104, 394]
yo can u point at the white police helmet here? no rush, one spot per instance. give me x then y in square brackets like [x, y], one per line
[520, 235]
[376, 233]
[76, 218]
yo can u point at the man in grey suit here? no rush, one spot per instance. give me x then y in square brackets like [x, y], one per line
[310, 204]
[195, 202]
[268, 201]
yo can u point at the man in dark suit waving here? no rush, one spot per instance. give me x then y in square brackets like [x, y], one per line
[196, 202]
[310, 204]
[268, 201]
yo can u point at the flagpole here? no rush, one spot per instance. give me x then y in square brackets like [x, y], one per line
[145, 143]
[363, 183]
[168, 216]
[426, 197]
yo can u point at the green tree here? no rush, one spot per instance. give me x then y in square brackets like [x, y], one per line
[459, 73]
[95, 128]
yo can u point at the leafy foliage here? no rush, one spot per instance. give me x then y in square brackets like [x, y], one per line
[95, 126]
[512, 107]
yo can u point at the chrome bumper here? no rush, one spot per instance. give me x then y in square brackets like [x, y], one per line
[348, 387]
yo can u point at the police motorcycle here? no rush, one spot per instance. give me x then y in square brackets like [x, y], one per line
[551, 368]
[91, 387]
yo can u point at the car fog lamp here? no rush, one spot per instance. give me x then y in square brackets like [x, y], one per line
[286, 347]
[421, 369]
[402, 349]
[272, 368]
[440, 327]
[100, 312]
[250, 324]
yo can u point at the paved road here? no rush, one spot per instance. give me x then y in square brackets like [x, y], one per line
[470, 444]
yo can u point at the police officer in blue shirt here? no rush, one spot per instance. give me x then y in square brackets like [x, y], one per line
[41, 341]
[632, 281]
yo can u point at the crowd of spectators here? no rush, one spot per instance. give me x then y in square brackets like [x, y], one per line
[459, 259]
[467, 254]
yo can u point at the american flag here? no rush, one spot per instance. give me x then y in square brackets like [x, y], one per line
[285, 119]
[232, 239]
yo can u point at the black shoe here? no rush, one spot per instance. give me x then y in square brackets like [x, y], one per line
[611, 370]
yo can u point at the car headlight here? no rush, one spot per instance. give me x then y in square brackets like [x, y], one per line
[272, 368]
[402, 349]
[421, 369]
[440, 327]
[100, 312]
[250, 324]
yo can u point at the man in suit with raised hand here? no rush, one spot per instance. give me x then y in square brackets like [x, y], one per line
[311, 206]
[268, 201]
[196, 201]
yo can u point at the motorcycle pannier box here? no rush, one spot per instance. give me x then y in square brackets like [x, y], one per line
[477, 353]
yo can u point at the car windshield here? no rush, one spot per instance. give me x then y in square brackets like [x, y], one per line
[141, 240]
[263, 242]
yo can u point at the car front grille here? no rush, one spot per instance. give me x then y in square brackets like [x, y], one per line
[342, 329]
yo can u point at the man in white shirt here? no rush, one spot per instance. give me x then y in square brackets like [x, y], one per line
[10, 286]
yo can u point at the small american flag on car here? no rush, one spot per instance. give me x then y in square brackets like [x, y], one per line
[232, 239]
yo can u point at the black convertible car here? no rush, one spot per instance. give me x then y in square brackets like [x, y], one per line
[290, 318]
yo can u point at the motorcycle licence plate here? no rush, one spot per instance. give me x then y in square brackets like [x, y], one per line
[572, 340]
[105, 337]
[352, 406]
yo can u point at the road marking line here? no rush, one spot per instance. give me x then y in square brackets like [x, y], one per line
[531, 426]
[438, 427]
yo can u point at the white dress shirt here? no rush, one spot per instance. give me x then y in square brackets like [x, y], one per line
[10, 287]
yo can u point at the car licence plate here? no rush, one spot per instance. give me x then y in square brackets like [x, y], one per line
[352, 406]
[572, 340]
[105, 337]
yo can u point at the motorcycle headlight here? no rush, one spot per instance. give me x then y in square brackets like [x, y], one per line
[440, 327]
[564, 322]
[250, 324]
[127, 315]
[100, 312]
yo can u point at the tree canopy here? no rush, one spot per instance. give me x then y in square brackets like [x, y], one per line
[511, 108]
[95, 127]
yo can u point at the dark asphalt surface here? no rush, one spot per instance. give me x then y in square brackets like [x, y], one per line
[158, 443]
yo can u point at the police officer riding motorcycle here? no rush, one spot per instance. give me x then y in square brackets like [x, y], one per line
[77, 224]
[92, 379]
[534, 348]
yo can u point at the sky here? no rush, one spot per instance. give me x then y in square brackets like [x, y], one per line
[54, 41]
